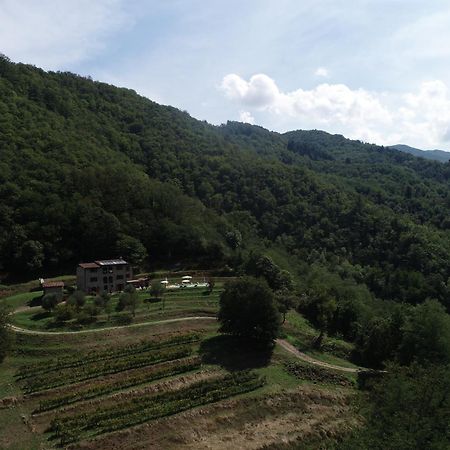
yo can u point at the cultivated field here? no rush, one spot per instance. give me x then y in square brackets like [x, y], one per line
[165, 385]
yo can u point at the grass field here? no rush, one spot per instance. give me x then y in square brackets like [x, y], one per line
[165, 385]
[174, 303]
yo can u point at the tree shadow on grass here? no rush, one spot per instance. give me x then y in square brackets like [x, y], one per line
[35, 301]
[153, 300]
[234, 353]
[41, 315]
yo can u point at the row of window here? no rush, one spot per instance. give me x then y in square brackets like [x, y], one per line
[110, 278]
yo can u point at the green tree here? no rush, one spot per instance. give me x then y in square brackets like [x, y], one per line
[132, 250]
[129, 299]
[77, 299]
[32, 255]
[408, 409]
[247, 309]
[157, 290]
[49, 302]
[426, 335]
[91, 310]
[285, 301]
[63, 312]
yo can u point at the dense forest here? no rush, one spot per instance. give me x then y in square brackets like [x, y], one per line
[360, 233]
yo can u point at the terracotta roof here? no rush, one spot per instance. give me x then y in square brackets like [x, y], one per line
[91, 265]
[50, 284]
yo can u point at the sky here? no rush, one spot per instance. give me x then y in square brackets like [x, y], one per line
[374, 70]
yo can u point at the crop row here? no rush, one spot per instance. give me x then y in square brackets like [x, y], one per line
[106, 367]
[181, 366]
[141, 410]
[33, 370]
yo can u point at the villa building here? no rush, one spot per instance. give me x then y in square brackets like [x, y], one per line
[103, 276]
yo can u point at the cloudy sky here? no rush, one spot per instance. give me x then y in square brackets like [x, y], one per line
[375, 70]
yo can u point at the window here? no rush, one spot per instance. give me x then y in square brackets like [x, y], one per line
[110, 279]
[93, 279]
[128, 275]
[119, 277]
[105, 270]
[105, 288]
[105, 280]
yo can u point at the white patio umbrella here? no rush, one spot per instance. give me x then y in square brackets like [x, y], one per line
[164, 282]
[186, 277]
[186, 281]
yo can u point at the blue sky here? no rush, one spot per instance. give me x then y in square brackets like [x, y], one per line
[374, 70]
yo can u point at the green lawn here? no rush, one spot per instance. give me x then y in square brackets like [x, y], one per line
[18, 300]
[175, 303]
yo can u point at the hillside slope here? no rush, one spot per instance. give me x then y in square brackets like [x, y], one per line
[88, 170]
[435, 155]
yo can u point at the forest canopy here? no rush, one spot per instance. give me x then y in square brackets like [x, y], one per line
[88, 170]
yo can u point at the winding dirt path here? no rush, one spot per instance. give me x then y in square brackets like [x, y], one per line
[304, 357]
[97, 330]
[281, 342]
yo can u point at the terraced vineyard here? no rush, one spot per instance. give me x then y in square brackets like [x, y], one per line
[162, 385]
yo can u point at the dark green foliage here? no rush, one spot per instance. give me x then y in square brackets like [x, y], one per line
[102, 300]
[285, 300]
[77, 299]
[129, 300]
[157, 290]
[426, 335]
[63, 312]
[49, 302]
[132, 250]
[263, 266]
[409, 409]
[247, 310]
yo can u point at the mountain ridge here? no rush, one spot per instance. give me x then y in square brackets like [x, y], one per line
[436, 155]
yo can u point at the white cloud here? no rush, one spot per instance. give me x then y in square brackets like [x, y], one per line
[54, 33]
[421, 118]
[246, 117]
[321, 72]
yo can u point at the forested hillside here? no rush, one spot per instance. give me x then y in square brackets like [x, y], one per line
[354, 236]
[89, 170]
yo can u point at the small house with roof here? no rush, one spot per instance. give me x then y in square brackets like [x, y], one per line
[109, 275]
[53, 287]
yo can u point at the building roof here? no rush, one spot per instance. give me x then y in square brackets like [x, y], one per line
[50, 284]
[91, 265]
[111, 262]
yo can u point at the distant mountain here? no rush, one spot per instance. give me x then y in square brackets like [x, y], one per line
[435, 155]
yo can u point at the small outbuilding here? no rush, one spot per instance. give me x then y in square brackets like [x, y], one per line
[53, 287]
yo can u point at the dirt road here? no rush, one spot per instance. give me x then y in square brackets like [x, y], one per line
[281, 342]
